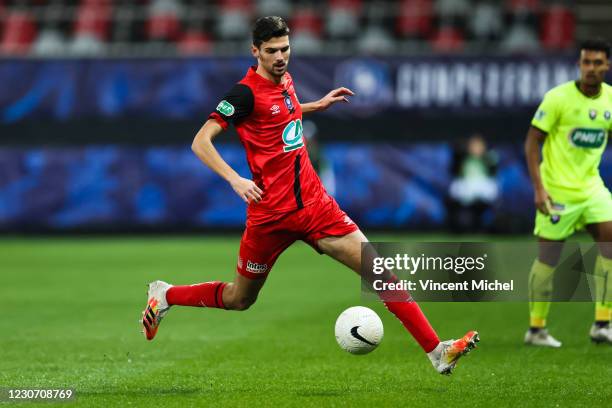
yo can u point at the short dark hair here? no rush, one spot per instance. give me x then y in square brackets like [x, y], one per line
[269, 27]
[596, 44]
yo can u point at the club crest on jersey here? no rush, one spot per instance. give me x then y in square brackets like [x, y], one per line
[288, 101]
[225, 108]
[607, 115]
[592, 114]
[292, 135]
[540, 114]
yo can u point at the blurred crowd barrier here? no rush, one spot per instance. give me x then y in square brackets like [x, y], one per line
[109, 188]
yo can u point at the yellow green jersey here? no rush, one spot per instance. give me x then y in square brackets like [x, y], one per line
[577, 128]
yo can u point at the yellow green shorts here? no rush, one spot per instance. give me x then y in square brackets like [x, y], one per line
[567, 218]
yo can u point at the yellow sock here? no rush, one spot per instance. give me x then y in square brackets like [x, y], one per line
[603, 289]
[540, 293]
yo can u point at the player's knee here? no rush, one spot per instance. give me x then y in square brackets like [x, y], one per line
[243, 303]
[330, 248]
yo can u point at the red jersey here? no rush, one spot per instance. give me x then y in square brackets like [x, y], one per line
[268, 119]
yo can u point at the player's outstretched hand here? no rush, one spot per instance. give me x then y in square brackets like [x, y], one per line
[246, 189]
[542, 201]
[336, 95]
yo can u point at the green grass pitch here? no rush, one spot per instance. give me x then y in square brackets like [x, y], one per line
[69, 312]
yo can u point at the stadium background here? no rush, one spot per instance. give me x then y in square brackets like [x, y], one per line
[99, 103]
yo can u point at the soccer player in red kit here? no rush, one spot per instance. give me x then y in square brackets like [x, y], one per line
[285, 199]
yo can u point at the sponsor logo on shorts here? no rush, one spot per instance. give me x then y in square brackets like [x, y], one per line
[254, 267]
[555, 218]
[588, 138]
[225, 108]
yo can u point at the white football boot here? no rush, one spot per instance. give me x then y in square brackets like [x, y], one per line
[156, 308]
[600, 334]
[445, 356]
[541, 338]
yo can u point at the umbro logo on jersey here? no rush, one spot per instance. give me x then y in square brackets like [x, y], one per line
[592, 114]
[275, 109]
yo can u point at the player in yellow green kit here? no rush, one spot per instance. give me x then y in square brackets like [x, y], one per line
[573, 122]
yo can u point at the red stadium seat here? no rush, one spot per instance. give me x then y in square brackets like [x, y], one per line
[194, 42]
[448, 39]
[305, 19]
[19, 33]
[163, 23]
[354, 5]
[93, 19]
[244, 5]
[523, 6]
[415, 18]
[165, 27]
[557, 28]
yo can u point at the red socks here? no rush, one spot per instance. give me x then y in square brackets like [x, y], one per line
[414, 320]
[209, 294]
[400, 303]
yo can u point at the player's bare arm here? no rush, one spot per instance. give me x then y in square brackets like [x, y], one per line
[535, 138]
[336, 95]
[203, 147]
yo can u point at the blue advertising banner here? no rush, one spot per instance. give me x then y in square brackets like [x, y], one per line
[182, 89]
[118, 187]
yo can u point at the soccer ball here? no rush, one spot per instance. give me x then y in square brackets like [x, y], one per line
[359, 330]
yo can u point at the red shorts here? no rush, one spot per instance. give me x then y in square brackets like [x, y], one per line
[262, 244]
